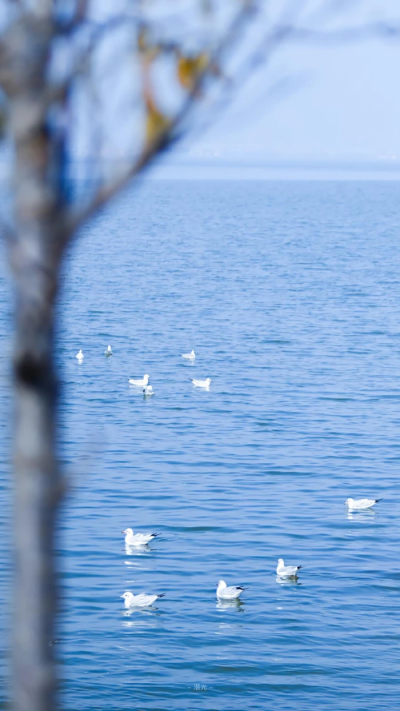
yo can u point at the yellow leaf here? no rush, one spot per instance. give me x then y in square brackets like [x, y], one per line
[142, 40]
[191, 68]
[148, 51]
[157, 123]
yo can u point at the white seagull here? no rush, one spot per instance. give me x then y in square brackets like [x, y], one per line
[141, 600]
[80, 355]
[231, 593]
[201, 383]
[108, 352]
[287, 571]
[148, 390]
[138, 539]
[189, 356]
[360, 504]
[139, 383]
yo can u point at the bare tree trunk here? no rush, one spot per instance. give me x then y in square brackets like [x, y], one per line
[35, 259]
[37, 487]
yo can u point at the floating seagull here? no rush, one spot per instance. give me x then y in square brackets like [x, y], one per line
[360, 504]
[225, 593]
[141, 600]
[138, 539]
[80, 355]
[201, 383]
[139, 383]
[108, 351]
[189, 356]
[148, 390]
[287, 571]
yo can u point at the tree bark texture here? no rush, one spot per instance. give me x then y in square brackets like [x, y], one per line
[35, 261]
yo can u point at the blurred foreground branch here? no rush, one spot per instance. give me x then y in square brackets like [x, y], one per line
[70, 71]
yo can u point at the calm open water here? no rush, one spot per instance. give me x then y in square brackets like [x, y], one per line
[290, 295]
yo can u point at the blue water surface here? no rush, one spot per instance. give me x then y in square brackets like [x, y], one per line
[289, 292]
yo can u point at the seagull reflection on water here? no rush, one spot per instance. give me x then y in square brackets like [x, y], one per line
[366, 515]
[293, 580]
[142, 618]
[138, 550]
[225, 605]
[150, 611]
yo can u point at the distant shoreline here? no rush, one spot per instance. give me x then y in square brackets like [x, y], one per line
[178, 167]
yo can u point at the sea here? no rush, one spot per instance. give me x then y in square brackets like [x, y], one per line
[289, 294]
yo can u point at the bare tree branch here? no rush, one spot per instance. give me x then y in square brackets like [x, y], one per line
[165, 137]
